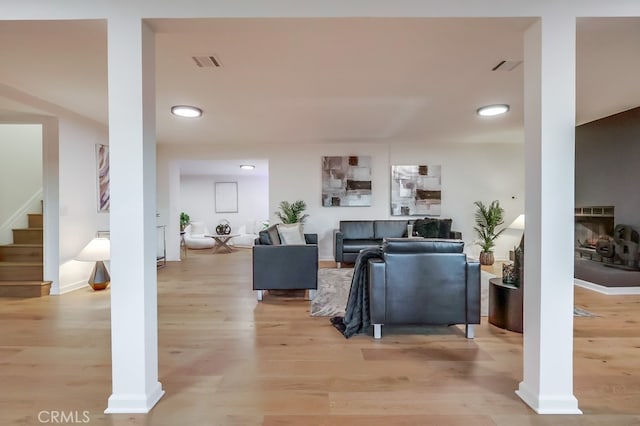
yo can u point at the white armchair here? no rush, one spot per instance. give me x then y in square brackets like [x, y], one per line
[248, 233]
[194, 236]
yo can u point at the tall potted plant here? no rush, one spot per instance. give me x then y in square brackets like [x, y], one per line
[184, 220]
[488, 218]
[292, 212]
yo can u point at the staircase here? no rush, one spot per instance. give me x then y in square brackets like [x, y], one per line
[21, 263]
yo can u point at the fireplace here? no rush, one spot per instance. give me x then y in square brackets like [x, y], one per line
[593, 224]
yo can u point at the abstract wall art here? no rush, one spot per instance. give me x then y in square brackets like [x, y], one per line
[102, 157]
[416, 190]
[346, 181]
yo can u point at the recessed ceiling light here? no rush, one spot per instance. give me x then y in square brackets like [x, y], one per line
[186, 111]
[491, 110]
[247, 166]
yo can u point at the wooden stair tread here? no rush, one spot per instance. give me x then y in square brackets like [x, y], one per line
[26, 282]
[21, 262]
[21, 252]
[25, 289]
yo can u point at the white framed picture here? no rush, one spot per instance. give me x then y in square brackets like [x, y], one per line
[226, 197]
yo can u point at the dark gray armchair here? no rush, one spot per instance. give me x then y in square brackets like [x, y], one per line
[285, 267]
[424, 282]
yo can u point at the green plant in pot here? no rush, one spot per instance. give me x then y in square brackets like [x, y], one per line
[292, 212]
[184, 220]
[488, 218]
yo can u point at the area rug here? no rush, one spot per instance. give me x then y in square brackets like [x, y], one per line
[579, 312]
[333, 291]
[334, 285]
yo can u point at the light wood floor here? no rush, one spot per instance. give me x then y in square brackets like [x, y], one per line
[227, 360]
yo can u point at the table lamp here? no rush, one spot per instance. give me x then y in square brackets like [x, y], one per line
[98, 250]
[517, 224]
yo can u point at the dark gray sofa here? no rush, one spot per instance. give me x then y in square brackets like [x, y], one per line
[285, 267]
[355, 235]
[423, 281]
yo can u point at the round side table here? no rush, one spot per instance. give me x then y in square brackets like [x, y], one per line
[505, 305]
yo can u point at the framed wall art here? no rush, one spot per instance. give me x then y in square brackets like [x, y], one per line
[346, 181]
[226, 197]
[416, 190]
[102, 161]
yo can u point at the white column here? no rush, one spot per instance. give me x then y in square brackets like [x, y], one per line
[51, 202]
[134, 306]
[173, 228]
[547, 385]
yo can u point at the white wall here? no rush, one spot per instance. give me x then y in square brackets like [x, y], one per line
[79, 217]
[475, 172]
[20, 176]
[197, 199]
[73, 197]
[470, 172]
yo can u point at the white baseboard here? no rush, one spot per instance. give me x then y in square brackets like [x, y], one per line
[610, 291]
[68, 288]
[548, 404]
[132, 404]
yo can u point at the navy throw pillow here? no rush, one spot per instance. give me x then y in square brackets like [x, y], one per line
[444, 228]
[427, 228]
[265, 240]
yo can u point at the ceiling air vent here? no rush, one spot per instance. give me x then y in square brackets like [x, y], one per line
[207, 61]
[506, 65]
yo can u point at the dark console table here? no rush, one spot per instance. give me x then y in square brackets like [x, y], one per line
[505, 305]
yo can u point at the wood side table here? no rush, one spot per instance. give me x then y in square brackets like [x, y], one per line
[505, 305]
[183, 244]
[222, 242]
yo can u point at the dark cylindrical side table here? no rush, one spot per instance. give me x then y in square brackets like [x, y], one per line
[505, 305]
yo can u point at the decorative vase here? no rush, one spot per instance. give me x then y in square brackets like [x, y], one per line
[486, 258]
[508, 273]
[223, 228]
[409, 230]
[518, 264]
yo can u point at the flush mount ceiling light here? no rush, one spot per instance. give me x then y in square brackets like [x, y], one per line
[247, 166]
[186, 111]
[491, 110]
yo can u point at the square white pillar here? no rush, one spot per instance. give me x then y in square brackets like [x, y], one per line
[132, 150]
[547, 385]
[51, 201]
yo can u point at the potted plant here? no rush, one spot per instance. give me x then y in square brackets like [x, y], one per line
[184, 220]
[488, 218]
[292, 212]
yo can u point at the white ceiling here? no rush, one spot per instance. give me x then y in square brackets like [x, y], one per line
[224, 167]
[323, 80]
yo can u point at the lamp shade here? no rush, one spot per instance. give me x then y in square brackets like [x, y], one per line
[98, 249]
[518, 223]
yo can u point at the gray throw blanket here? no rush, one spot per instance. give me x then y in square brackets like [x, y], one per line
[356, 319]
